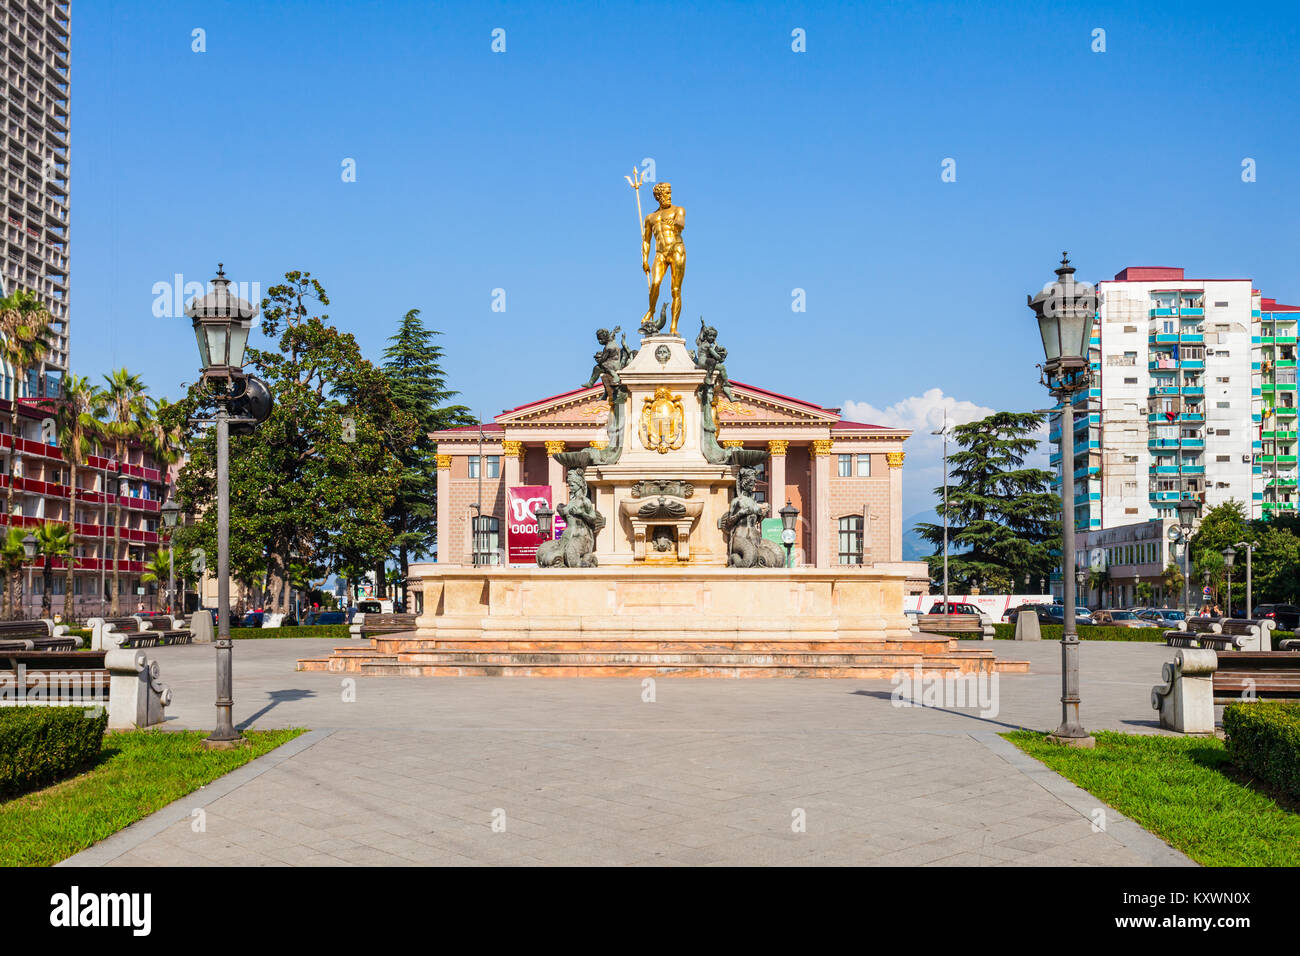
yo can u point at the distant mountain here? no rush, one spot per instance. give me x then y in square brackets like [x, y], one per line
[916, 548]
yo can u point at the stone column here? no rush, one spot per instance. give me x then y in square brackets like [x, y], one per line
[823, 535]
[555, 472]
[514, 460]
[895, 460]
[776, 450]
[444, 509]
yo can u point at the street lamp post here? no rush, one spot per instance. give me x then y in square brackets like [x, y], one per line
[1228, 556]
[221, 324]
[170, 512]
[29, 550]
[944, 432]
[1065, 311]
[1249, 547]
[1189, 509]
[789, 516]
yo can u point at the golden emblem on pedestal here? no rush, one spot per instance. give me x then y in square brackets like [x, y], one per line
[663, 421]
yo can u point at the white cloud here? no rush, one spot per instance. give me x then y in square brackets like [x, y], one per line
[923, 414]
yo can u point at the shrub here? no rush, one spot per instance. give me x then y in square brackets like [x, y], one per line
[39, 745]
[1089, 632]
[1264, 740]
[311, 630]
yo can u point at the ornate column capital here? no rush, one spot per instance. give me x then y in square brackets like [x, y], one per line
[778, 446]
[554, 447]
[444, 461]
[821, 446]
[733, 443]
[512, 447]
[894, 458]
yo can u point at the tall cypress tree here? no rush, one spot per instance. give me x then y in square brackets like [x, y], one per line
[1003, 518]
[412, 364]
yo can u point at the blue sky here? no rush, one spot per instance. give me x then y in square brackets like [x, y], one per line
[817, 170]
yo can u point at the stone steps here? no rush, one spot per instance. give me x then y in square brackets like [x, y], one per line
[565, 660]
[923, 644]
[862, 671]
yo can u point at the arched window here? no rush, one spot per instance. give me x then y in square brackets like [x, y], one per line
[850, 528]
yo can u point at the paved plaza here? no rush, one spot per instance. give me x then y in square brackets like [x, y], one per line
[410, 771]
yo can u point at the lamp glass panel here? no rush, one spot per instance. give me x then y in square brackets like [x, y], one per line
[1049, 329]
[238, 341]
[205, 358]
[217, 335]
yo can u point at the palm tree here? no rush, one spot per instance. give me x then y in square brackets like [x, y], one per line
[75, 420]
[25, 326]
[53, 539]
[12, 556]
[158, 569]
[125, 402]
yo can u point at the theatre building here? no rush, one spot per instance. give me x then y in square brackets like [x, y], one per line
[845, 478]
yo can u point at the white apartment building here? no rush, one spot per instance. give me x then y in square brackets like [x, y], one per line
[1175, 406]
[34, 78]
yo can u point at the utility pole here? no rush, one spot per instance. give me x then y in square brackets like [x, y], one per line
[944, 432]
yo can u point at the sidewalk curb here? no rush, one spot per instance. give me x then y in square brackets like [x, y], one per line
[1141, 841]
[144, 830]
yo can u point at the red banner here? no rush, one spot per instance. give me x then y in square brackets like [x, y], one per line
[522, 536]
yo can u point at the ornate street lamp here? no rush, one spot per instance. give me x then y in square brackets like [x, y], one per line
[545, 517]
[789, 517]
[1189, 509]
[221, 323]
[29, 550]
[1228, 556]
[1065, 311]
[170, 512]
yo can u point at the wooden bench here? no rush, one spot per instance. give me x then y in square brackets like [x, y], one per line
[1223, 634]
[53, 678]
[137, 631]
[955, 624]
[162, 630]
[370, 625]
[1263, 675]
[37, 635]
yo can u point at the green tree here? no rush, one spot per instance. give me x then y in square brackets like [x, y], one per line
[76, 424]
[1004, 519]
[317, 477]
[1276, 570]
[156, 570]
[27, 338]
[12, 557]
[122, 411]
[53, 540]
[413, 366]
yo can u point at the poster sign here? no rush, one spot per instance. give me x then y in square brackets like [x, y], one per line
[522, 536]
[772, 530]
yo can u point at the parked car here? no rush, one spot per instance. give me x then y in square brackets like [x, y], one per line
[252, 619]
[325, 617]
[369, 607]
[1115, 618]
[1286, 616]
[1056, 615]
[1162, 616]
[1009, 616]
[954, 608]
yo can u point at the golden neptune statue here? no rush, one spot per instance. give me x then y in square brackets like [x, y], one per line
[664, 227]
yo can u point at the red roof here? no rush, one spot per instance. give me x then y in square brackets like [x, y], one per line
[1272, 305]
[543, 401]
[784, 398]
[858, 425]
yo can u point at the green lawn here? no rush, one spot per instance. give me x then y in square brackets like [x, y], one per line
[1181, 789]
[138, 772]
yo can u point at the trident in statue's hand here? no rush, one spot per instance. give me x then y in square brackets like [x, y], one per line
[635, 181]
